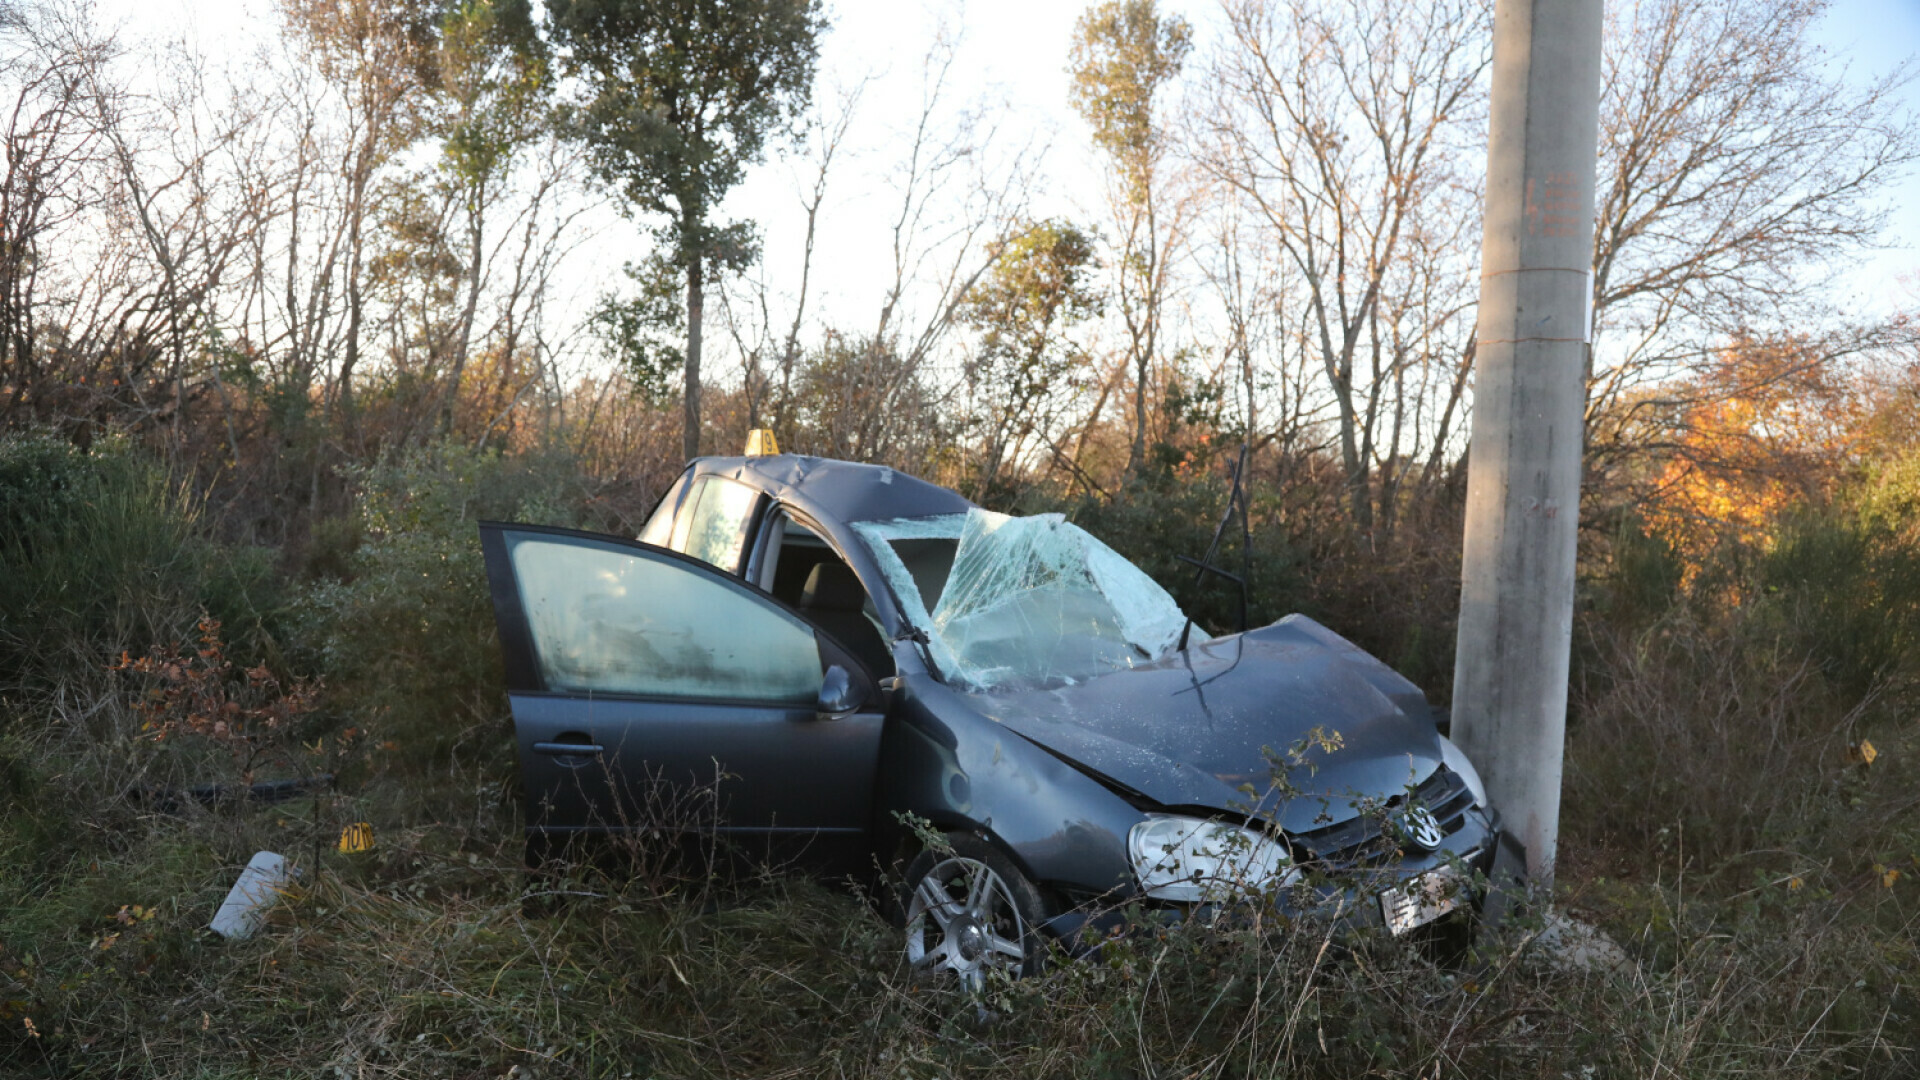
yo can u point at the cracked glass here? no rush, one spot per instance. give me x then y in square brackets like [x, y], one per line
[1022, 600]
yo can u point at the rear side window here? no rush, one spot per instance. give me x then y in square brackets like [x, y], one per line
[659, 528]
[716, 529]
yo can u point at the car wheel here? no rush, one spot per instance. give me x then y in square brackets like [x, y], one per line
[970, 911]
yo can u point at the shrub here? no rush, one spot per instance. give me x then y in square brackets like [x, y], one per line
[406, 639]
[1399, 601]
[100, 552]
[1726, 714]
[1153, 524]
[1720, 737]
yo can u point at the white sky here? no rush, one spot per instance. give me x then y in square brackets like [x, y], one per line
[1012, 57]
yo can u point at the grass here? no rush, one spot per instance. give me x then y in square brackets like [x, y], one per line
[419, 958]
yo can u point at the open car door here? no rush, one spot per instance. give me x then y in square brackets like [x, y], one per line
[650, 690]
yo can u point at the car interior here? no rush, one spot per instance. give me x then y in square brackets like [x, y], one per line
[930, 562]
[800, 568]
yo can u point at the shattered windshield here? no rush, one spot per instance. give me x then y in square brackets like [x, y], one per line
[1022, 599]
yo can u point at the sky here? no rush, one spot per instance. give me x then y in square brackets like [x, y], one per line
[1016, 50]
[1872, 38]
[1011, 64]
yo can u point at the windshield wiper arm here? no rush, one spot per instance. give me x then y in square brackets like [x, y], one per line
[1209, 568]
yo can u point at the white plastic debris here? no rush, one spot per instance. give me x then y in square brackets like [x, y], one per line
[1570, 946]
[267, 878]
[1027, 599]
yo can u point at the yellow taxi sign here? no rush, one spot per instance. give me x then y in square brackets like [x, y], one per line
[760, 442]
[356, 837]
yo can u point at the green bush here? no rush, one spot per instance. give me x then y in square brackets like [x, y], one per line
[1847, 591]
[100, 552]
[405, 639]
[1725, 708]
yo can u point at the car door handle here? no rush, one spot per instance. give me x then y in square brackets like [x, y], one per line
[569, 749]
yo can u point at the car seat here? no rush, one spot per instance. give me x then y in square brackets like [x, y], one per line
[835, 599]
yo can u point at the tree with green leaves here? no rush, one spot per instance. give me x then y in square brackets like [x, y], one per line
[636, 332]
[678, 98]
[493, 82]
[1125, 54]
[1039, 287]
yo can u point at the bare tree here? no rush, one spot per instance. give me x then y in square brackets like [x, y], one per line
[1738, 170]
[1277, 397]
[376, 55]
[879, 395]
[53, 137]
[747, 307]
[1344, 126]
[190, 214]
[952, 198]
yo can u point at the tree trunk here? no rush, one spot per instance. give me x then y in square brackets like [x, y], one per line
[1137, 453]
[1093, 419]
[464, 335]
[696, 301]
[344, 395]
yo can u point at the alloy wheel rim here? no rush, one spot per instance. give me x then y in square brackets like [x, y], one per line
[963, 920]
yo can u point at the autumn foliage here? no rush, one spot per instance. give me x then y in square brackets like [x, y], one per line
[199, 694]
[1771, 424]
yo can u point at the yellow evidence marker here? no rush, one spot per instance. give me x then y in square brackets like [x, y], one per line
[356, 837]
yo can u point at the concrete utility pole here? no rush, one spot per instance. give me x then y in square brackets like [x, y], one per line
[1523, 478]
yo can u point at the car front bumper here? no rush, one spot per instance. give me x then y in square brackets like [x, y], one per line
[1480, 867]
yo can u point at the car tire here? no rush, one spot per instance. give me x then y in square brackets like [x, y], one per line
[969, 911]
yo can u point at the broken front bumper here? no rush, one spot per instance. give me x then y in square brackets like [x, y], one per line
[1480, 869]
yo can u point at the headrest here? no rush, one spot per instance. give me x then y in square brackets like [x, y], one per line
[832, 586]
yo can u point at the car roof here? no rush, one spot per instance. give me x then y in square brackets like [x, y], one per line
[845, 491]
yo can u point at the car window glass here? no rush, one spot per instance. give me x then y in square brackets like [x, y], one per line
[1023, 599]
[611, 620]
[684, 518]
[659, 527]
[717, 528]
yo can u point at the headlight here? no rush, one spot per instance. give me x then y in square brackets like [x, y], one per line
[1187, 859]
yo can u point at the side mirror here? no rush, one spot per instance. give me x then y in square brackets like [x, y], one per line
[838, 694]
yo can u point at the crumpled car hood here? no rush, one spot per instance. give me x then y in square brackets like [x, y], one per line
[1194, 729]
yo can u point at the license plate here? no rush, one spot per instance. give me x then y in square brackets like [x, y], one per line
[1422, 900]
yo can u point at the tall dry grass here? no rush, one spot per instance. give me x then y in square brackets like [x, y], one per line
[420, 958]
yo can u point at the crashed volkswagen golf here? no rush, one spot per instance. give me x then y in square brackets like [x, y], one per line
[842, 661]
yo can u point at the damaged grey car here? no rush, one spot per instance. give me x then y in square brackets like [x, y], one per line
[843, 663]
